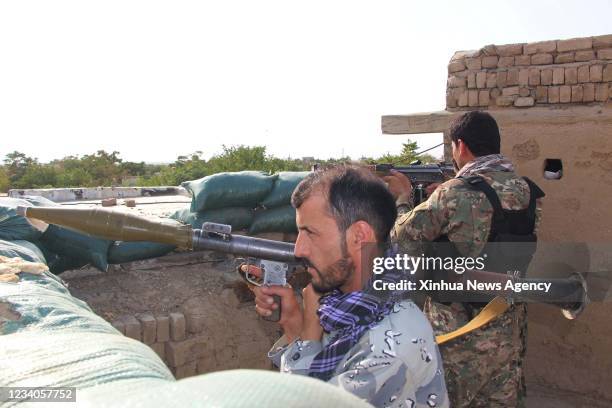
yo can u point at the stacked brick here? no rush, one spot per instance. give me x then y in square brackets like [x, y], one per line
[187, 347]
[574, 71]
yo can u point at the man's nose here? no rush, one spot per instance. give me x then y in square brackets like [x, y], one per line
[301, 248]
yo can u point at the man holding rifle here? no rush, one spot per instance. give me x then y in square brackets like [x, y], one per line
[370, 343]
[485, 202]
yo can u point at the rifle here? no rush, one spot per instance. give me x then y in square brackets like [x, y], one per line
[421, 175]
[275, 258]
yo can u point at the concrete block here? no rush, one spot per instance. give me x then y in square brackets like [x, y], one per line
[132, 327]
[602, 41]
[540, 47]
[512, 78]
[179, 352]
[502, 78]
[455, 81]
[534, 77]
[481, 80]
[162, 324]
[522, 60]
[558, 76]
[119, 325]
[490, 61]
[471, 80]
[456, 66]
[524, 102]
[473, 63]
[565, 94]
[546, 76]
[523, 78]
[607, 73]
[571, 76]
[602, 92]
[483, 98]
[510, 50]
[177, 326]
[510, 91]
[574, 44]
[541, 59]
[541, 94]
[505, 100]
[109, 202]
[588, 92]
[577, 93]
[565, 58]
[159, 349]
[582, 56]
[596, 73]
[505, 62]
[491, 79]
[462, 100]
[186, 370]
[149, 328]
[473, 97]
[583, 74]
[553, 94]
[604, 54]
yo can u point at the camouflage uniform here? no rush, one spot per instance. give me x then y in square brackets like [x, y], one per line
[484, 367]
[395, 364]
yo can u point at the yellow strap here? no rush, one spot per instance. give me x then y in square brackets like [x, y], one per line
[494, 308]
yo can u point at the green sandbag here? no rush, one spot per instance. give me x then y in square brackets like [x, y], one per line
[59, 263]
[73, 244]
[280, 219]
[39, 201]
[284, 185]
[21, 249]
[238, 217]
[15, 227]
[122, 252]
[222, 190]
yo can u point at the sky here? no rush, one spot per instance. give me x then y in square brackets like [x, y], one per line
[158, 79]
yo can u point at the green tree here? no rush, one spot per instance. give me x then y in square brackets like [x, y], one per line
[4, 180]
[16, 165]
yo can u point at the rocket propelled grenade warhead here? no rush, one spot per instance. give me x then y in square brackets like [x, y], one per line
[114, 225]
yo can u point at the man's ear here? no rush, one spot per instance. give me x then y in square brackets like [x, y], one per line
[359, 233]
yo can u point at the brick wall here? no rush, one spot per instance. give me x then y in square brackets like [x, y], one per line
[573, 71]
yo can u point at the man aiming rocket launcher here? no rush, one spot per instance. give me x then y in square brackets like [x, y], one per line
[276, 259]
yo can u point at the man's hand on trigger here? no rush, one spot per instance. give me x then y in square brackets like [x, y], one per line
[312, 329]
[291, 318]
[399, 185]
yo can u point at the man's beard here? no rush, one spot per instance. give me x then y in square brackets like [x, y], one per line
[335, 275]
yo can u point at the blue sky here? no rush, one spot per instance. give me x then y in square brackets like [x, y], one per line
[155, 79]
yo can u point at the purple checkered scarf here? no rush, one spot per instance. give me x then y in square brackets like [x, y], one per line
[350, 315]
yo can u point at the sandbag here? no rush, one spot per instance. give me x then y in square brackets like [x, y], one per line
[280, 219]
[122, 252]
[21, 249]
[238, 217]
[78, 246]
[284, 185]
[15, 227]
[235, 189]
[59, 263]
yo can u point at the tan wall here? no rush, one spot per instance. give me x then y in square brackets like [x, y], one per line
[552, 99]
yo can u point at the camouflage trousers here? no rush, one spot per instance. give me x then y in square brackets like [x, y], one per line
[483, 368]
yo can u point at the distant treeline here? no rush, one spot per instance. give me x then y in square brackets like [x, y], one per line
[108, 169]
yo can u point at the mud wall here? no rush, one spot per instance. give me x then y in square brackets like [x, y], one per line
[552, 101]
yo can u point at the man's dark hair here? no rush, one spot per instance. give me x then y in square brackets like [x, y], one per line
[353, 194]
[479, 132]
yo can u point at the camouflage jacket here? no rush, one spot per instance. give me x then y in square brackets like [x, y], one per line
[395, 364]
[460, 212]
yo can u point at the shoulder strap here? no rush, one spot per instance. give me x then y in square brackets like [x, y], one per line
[535, 192]
[479, 184]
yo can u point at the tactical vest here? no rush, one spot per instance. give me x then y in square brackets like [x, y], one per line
[510, 246]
